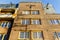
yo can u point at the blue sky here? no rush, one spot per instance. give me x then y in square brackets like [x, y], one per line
[55, 3]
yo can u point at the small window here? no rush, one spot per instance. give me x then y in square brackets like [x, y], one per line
[24, 34]
[57, 35]
[53, 22]
[36, 22]
[37, 35]
[25, 22]
[4, 24]
[8, 24]
[1, 36]
[35, 12]
[25, 12]
[59, 21]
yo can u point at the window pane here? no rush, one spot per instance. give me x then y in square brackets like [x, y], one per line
[58, 34]
[9, 24]
[55, 34]
[21, 34]
[24, 35]
[35, 12]
[25, 22]
[27, 34]
[56, 21]
[3, 24]
[1, 36]
[35, 22]
[59, 21]
[0, 23]
[26, 12]
[53, 21]
[35, 35]
[40, 35]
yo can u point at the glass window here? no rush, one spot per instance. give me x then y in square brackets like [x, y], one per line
[25, 12]
[1, 36]
[0, 23]
[25, 22]
[8, 24]
[36, 21]
[35, 12]
[54, 22]
[24, 34]
[57, 35]
[59, 21]
[4, 24]
[37, 35]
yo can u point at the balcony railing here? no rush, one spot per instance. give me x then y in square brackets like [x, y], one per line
[6, 15]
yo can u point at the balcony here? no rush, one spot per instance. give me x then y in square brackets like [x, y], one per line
[2, 15]
[7, 15]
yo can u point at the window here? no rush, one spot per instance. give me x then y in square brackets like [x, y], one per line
[53, 21]
[9, 24]
[4, 24]
[25, 21]
[0, 23]
[1, 36]
[24, 34]
[57, 35]
[59, 21]
[35, 12]
[36, 22]
[37, 35]
[25, 12]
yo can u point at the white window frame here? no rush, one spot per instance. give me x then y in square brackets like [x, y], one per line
[35, 12]
[38, 36]
[24, 35]
[25, 22]
[56, 36]
[54, 22]
[26, 12]
[36, 21]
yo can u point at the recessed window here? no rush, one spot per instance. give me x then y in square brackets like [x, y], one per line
[1, 36]
[25, 12]
[35, 12]
[25, 21]
[8, 24]
[37, 35]
[24, 35]
[53, 21]
[57, 35]
[5, 24]
[36, 22]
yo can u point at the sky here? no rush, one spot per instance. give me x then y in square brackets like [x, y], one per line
[55, 3]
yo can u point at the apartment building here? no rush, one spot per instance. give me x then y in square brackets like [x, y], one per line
[30, 21]
[7, 15]
[35, 21]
